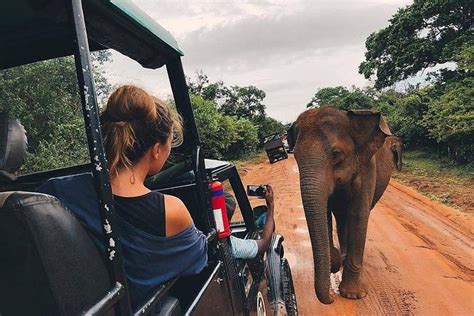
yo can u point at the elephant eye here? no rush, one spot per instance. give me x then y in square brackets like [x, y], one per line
[337, 155]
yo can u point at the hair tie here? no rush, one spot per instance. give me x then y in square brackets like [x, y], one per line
[114, 118]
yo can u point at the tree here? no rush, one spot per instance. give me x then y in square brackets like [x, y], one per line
[450, 119]
[45, 97]
[406, 116]
[203, 87]
[342, 98]
[327, 96]
[269, 125]
[242, 111]
[222, 136]
[422, 35]
[244, 102]
[246, 139]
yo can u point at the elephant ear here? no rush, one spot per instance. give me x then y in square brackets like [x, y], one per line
[292, 136]
[369, 130]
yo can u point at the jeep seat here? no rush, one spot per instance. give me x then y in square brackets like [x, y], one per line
[48, 263]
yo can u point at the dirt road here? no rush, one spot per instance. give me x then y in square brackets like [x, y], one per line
[418, 259]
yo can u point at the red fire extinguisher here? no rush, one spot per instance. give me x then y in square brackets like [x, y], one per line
[219, 209]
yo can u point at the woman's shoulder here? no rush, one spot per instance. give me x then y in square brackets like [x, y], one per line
[177, 215]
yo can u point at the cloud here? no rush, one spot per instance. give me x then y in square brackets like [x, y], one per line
[288, 48]
[249, 40]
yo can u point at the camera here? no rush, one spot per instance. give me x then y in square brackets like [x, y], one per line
[256, 190]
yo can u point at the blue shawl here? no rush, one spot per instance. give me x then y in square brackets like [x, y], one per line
[148, 260]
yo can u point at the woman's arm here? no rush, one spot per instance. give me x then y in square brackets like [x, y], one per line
[264, 242]
[189, 242]
[176, 215]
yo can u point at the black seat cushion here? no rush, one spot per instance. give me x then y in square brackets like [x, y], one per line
[48, 263]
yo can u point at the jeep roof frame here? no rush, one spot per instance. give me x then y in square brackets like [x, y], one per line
[36, 30]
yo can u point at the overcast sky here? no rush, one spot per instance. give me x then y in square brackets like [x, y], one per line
[288, 48]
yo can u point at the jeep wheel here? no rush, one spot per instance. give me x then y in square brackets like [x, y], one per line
[289, 295]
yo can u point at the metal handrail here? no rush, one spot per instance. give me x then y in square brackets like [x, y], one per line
[155, 298]
[106, 303]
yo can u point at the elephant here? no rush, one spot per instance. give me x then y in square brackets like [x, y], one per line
[345, 160]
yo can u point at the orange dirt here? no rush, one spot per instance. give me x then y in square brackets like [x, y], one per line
[418, 258]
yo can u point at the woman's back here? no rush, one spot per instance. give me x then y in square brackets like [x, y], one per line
[149, 259]
[145, 212]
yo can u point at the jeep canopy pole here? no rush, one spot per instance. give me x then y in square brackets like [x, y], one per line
[98, 159]
[183, 103]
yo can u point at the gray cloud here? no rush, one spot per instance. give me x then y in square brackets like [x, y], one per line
[284, 36]
[288, 48]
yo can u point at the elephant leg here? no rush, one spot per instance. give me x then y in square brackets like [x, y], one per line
[352, 286]
[336, 259]
[342, 233]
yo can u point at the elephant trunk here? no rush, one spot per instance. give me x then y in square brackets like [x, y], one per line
[314, 195]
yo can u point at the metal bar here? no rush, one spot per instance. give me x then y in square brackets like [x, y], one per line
[203, 289]
[181, 98]
[162, 290]
[183, 104]
[97, 155]
[211, 236]
[106, 303]
[204, 192]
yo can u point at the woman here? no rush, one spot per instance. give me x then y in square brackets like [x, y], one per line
[159, 238]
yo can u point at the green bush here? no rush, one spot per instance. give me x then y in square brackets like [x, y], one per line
[450, 120]
[222, 136]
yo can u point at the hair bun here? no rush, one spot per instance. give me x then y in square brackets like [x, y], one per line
[153, 121]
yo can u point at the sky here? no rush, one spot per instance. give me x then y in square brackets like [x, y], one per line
[287, 48]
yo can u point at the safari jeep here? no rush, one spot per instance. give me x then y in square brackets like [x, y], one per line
[275, 147]
[48, 262]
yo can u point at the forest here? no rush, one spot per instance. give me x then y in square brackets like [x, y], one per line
[433, 37]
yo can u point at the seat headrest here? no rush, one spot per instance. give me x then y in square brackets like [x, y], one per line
[13, 143]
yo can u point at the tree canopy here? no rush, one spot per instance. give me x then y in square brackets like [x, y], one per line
[342, 98]
[242, 102]
[222, 136]
[45, 97]
[237, 102]
[422, 35]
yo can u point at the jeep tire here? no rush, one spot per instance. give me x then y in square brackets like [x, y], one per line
[289, 295]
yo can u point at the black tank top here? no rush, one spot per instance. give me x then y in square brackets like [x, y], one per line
[145, 212]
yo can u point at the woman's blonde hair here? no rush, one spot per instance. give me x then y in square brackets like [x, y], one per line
[132, 122]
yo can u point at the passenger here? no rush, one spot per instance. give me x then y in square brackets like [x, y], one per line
[139, 132]
[250, 248]
[159, 240]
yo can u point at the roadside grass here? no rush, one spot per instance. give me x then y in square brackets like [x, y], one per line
[438, 178]
[427, 163]
[256, 157]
